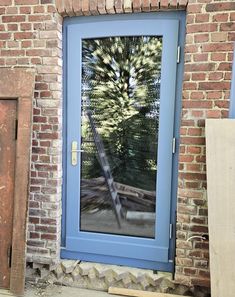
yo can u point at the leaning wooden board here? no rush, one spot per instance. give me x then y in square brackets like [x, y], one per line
[220, 150]
[138, 293]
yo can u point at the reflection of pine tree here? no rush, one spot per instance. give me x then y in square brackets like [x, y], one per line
[121, 81]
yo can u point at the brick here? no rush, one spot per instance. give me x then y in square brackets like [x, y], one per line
[5, 36]
[222, 6]
[199, 76]
[34, 235]
[12, 27]
[197, 104]
[199, 229]
[101, 6]
[190, 271]
[222, 104]
[45, 228]
[195, 131]
[214, 86]
[137, 5]
[214, 114]
[24, 35]
[12, 53]
[200, 67]
[184, 262]
[25, 9]
[219, 37]
[39, 18]
[199, 220]
[193, 176]
[186, 158]
[229, 26]
[216, 75]
[12, 10]
[220, 17]
[197, 95]
[218, 56]
[182, 4]
[127, 6]
[6, 2]
[201, 38]
[146, 5]
[200, 57]
[217, 47]
[93, 7]
[26, 2]
[205, 27]
[231, 36]
[202, 18]
[194, 8]
[38, 52]
[26, 43]
[13, 19]
[173, 4]
[109, 7]
[47, 236]
[48, 34]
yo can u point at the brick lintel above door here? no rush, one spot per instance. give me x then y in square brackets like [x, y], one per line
[91, 7]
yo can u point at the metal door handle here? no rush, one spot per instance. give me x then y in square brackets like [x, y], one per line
[74, 151]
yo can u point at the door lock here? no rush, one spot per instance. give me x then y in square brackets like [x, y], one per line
[74, 153]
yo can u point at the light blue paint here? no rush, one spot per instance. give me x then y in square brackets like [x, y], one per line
[115, 249]
[232, 92]
[117, 260]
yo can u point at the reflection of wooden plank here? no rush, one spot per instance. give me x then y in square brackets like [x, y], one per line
[147, 194]
[220, 140]
[140, 216]
[94, 194]
[138, 293]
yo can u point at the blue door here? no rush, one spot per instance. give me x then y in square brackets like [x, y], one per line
[120, 97]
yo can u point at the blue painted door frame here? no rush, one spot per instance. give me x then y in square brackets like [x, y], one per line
[157, 253]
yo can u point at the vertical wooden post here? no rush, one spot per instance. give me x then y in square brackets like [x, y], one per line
[18, 84]
[220, 150]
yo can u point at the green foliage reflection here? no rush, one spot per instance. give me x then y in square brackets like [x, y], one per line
[121, 85]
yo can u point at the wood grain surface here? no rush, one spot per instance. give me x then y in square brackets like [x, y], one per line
[7, 179]
[220, 149]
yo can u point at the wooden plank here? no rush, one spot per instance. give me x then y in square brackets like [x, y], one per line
[7, 179]
[138, 293]
[5, 293]
[19, 84]
[220, 150]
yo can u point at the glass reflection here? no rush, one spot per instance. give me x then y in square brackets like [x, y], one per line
[121, 92]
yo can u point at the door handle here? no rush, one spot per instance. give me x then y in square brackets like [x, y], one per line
[74, 153]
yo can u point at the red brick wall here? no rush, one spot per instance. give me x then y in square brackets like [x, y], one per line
[30, 36]
[210, 32]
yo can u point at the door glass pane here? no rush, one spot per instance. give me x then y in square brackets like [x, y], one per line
[120, 102]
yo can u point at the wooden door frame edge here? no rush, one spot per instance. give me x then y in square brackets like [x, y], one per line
[18, 84]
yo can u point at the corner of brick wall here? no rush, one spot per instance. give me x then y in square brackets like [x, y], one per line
[210, 32]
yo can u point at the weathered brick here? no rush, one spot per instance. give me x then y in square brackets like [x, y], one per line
[221, 6]
[13, 18]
